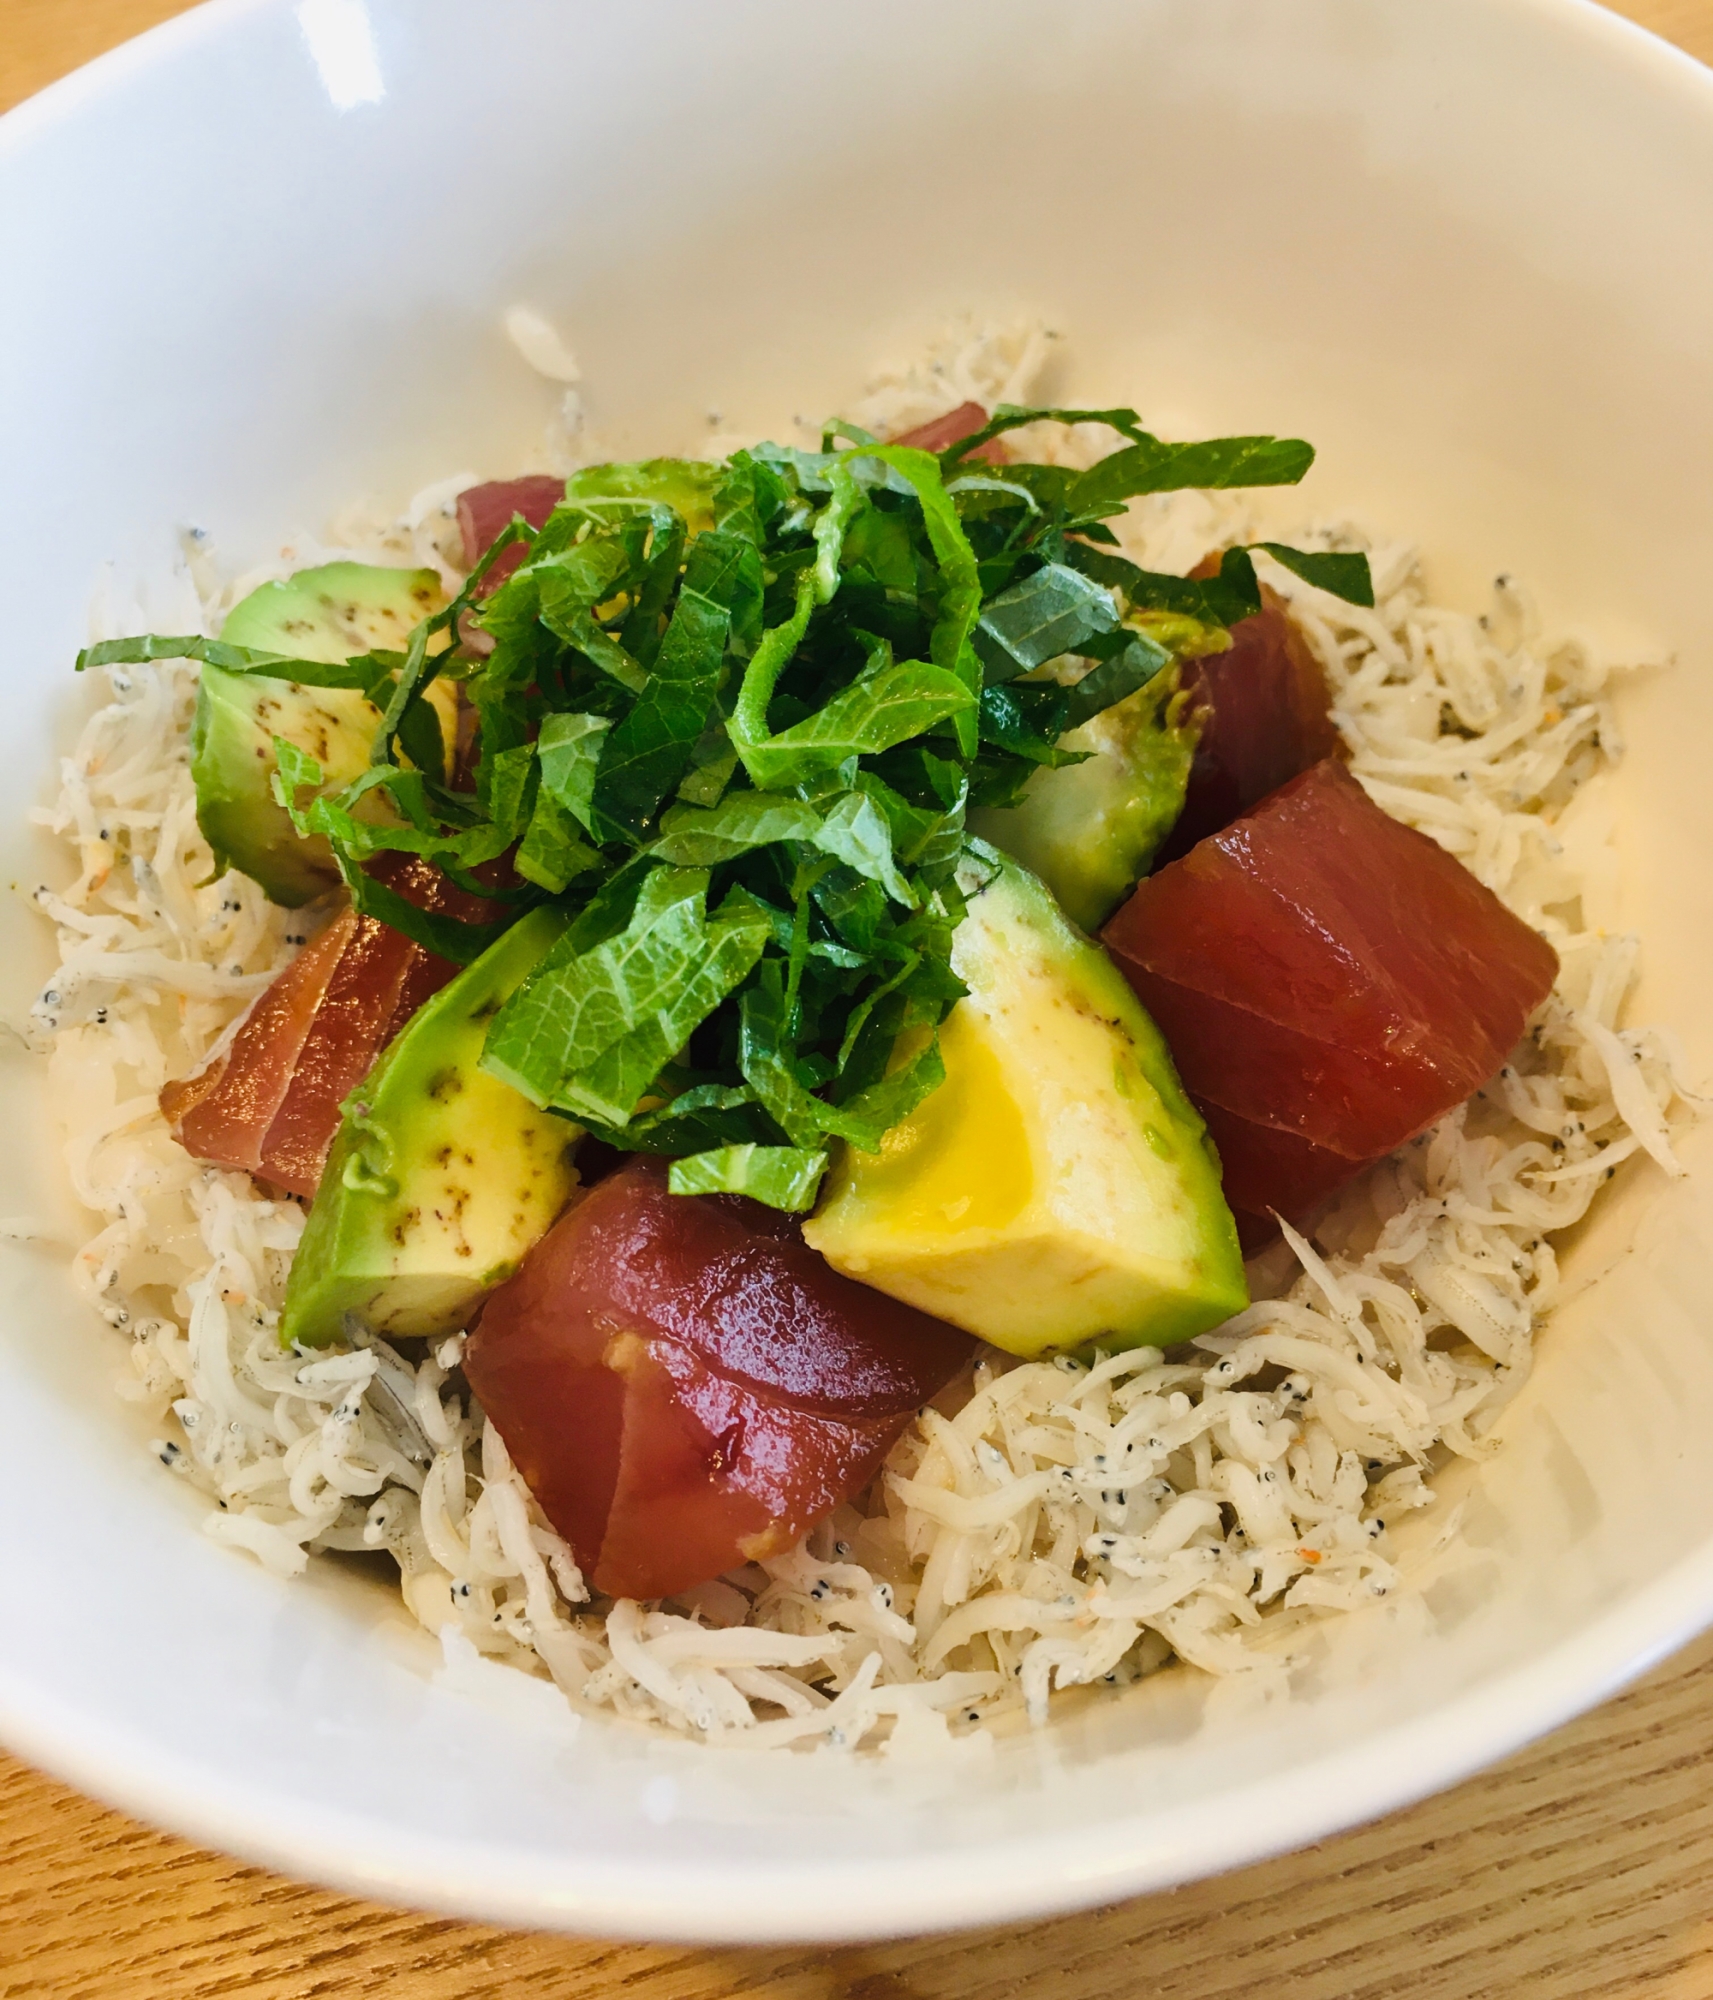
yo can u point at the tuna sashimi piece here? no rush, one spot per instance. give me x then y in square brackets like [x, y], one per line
[941, 433]
[1329, 982]
[685, 1385]
[483, 511]
[223, 1112]
[1262, 713]
[1266, 1169]
[269, 1103]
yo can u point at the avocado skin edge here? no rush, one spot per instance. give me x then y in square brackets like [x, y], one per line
[1087, 962]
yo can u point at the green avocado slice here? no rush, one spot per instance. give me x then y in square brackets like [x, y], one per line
[1058, 1189]
[329, 613]
[441, 1177]
[1090, 830]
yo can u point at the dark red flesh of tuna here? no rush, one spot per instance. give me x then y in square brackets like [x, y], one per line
[1329, 982]
[941, 433]
[686, 1386]
[270, 1104]
[1262, 710]
[485, 510]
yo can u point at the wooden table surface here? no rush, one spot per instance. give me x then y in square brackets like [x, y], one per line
[1581, 1870]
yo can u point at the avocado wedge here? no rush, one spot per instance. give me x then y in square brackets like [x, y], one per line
[441, 1177]
[1090, 830]
[1059, 1188]
[328, 613]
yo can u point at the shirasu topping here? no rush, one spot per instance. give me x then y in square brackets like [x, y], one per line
[1050, 1524]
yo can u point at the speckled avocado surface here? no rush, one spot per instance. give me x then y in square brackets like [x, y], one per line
[441, 1177]
[330, 614]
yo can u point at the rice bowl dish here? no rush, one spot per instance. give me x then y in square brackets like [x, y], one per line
[1059, 1523]
[1413, 346]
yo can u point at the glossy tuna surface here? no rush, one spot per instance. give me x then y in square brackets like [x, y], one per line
[270, 1103]
[1262, 712]
[941, 433]
[483, 511]
[684, 1385]
[1329, 982]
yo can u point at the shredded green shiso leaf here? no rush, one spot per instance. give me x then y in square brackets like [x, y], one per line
[732, 719]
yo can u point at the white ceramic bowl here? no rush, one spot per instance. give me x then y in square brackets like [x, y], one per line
[254, 265]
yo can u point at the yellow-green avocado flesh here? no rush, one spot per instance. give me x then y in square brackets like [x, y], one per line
[441, 1177]
[1058, 1189]
[1090, 830]
[325, 614]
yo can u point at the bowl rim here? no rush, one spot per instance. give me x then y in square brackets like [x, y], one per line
[1010, 1880]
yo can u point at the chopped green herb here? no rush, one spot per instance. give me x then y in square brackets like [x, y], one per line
[1052, 611]
[730, 721]
[786, 1177]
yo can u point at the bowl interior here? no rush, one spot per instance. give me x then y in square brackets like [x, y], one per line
[256, 269]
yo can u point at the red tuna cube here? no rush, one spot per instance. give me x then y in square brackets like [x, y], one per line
[1330, 982]
[685, 1385]
[485, 510]
[1262, 709]
[270, 1103]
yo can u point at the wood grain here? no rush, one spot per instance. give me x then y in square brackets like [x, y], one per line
[1580, 1870]
[1577, 1871]
[43, 39]
[1689, 23]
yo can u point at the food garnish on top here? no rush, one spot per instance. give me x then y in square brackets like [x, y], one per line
[759, 804]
